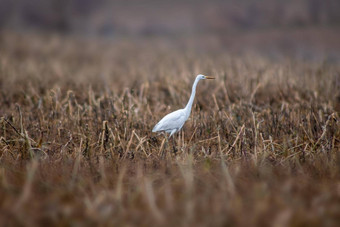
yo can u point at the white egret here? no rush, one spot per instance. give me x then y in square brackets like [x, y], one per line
[173, 122]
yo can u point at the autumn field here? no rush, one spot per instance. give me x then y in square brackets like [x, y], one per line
[261, 147]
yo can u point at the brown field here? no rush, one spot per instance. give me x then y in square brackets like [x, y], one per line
[261, 147]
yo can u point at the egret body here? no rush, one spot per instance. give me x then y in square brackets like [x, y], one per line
[173, 122]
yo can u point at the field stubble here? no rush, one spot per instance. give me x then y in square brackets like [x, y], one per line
[261, 146]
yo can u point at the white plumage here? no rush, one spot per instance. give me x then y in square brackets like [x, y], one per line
[173, 122]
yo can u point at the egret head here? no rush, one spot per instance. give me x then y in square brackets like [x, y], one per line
[202, 77]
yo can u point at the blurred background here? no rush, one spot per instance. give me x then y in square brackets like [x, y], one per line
[300, 27]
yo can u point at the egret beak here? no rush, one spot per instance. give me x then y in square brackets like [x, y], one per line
[209, 77]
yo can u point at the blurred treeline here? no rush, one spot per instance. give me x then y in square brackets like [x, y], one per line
[104, 17]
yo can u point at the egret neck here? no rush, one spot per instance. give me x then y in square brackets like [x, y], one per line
[191, 100]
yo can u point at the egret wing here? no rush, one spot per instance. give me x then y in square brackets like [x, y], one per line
[171, 121]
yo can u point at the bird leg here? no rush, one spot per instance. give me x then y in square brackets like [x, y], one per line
[165, 146]
[174, 145]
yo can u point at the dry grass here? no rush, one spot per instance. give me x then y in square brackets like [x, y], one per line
[261, 146]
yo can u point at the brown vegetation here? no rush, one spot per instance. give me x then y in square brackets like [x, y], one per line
[260, 148]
